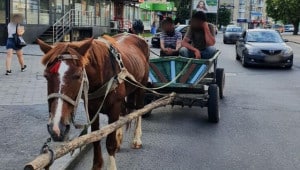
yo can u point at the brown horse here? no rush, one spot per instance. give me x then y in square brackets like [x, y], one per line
[66, 64]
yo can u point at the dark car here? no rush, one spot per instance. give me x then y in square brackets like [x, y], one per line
[155, 41]
[231, 34]
[263, 47]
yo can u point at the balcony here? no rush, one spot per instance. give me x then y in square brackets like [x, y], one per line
[260, 5]
[242, 10]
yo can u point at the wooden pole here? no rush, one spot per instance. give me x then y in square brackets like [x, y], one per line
[43, 160]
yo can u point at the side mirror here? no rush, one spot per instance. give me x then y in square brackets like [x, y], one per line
[285, 40]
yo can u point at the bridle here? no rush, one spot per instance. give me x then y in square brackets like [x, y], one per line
[103, 91]
[84, 88]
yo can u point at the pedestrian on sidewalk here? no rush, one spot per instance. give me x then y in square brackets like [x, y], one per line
[16, 21]
[153, 28]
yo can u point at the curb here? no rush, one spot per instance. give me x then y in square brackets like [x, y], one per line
[77, 157]
[294, 42]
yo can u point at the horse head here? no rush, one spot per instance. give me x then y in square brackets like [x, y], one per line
[64, 71]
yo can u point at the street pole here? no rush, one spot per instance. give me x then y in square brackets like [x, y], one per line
[217, 14]
[250, 9]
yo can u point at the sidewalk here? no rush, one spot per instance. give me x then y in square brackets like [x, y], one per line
[23, 88]
[24, 112]
[292, 38]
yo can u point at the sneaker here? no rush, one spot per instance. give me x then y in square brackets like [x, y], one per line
[8, 72]
[24, 68]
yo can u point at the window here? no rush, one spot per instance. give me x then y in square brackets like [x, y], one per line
[2, 12]
[44, 12]
[32, 11]
[19, 6]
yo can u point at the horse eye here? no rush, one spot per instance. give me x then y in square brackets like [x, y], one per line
[76, 76]
[46, 75]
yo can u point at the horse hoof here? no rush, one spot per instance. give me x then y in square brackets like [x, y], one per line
[136, 146]
[118, 149]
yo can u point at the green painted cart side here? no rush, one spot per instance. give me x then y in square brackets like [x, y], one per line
[180, 71]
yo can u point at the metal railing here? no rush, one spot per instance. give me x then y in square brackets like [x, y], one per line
[62, 26]
[73, 18]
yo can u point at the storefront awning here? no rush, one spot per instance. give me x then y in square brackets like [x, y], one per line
[155, 6]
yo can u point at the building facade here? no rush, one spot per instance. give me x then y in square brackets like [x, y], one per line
[247, 13]
[87, 17]
[251, 13]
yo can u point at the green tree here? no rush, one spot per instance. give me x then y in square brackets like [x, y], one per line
[183, 10]
[224, 16]
[285, 10]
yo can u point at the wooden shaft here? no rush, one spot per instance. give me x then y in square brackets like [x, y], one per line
[43, 160]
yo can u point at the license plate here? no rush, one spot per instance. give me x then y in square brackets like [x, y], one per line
[155, 39]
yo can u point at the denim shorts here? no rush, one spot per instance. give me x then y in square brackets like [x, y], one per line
[10, 44]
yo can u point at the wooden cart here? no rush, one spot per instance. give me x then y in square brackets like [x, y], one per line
[197, 82]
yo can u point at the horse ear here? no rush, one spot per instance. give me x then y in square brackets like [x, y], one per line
[83, 48]
[43, 46]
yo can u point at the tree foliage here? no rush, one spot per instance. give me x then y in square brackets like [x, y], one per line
[286, 11]
[183, 10]
[224, 16]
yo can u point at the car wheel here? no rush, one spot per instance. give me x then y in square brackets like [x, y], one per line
[244, 62]
[224, 42]
[288, 66]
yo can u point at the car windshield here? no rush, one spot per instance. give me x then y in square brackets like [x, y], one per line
[234, 29]
[264, 36]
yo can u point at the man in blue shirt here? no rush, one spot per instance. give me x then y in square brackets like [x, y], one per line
[170, 39]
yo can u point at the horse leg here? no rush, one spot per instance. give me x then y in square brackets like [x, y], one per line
[111, 141]
[139, 101]
[119, 137]
[98, 160]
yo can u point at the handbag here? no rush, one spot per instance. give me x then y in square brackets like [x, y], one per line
[19, 41]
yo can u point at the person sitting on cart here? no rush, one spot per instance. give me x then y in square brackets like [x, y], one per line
[199, 39]
[170, 39]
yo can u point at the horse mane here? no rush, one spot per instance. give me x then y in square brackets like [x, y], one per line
[63, 48]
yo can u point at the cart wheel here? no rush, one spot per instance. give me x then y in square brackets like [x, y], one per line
[220, 79]
[213, 103]
[147, 101]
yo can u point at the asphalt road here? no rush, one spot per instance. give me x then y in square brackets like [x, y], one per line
[259, 126]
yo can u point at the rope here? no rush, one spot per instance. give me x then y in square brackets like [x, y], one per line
[154, 53]
[86, 126]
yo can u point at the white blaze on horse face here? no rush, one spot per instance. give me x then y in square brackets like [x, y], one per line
[58, 112]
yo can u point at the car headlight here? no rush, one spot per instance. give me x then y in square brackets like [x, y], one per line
[287, 51]
[253, 51]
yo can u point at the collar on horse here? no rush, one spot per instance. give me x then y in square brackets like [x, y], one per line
[114, 56]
